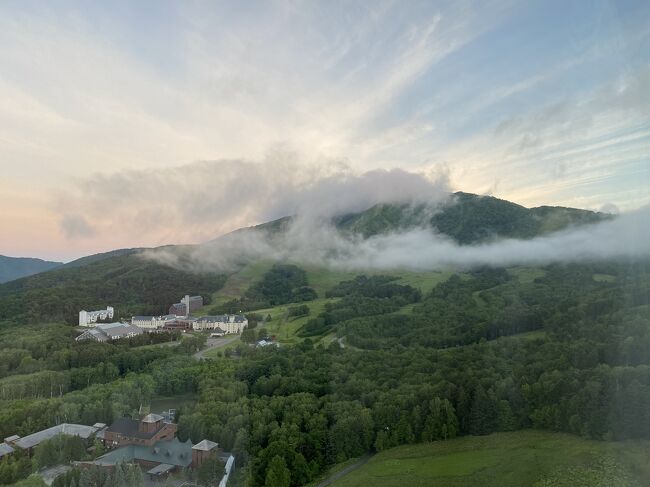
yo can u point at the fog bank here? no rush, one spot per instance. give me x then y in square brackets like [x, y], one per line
[315, 241]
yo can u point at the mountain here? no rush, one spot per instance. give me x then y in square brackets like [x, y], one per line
[133, 285]
[89, 259]
[16, 267]
[468, 218]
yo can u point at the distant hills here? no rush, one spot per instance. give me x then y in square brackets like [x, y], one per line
[16, 267]
[136, 286]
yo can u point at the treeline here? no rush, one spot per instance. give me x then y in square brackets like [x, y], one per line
[375, 287]
[282, 284]
[123, 475]
[79, 388]
[98, 403]
[362, 296]
[490, 303]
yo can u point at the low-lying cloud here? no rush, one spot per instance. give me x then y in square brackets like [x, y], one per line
[202, 200]
[317, 242]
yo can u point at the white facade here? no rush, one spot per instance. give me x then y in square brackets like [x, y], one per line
[89, 318]
[228, 323]
[151, 322]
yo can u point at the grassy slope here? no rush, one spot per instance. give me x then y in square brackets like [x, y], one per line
[321, 279]
[508, 459]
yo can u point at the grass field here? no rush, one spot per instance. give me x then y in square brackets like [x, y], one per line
[163, 403]
[526, 275]
[285, 328]
[237, 283]
[523, 458]
[321, 279]
[424, 281]
[604, 278]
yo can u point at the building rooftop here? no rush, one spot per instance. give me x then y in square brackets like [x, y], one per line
[150, 318]
[34, 439]
[223, 319]
[5, 449]
[128, 427]
[152, 418]
[161, 469]
[172, 452]
[205, 445]
[116, 330]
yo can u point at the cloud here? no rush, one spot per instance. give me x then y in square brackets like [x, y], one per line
[202, 200]
[315, 242]
[76, 226]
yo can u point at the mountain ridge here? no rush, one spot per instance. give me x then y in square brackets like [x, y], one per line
[16, 267]
[142, 286]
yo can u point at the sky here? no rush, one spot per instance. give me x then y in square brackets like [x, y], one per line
[132, 124]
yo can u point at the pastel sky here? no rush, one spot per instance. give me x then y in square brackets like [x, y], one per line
[143, 123]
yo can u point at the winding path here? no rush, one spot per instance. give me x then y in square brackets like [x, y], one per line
[213, 343]
[342, 473]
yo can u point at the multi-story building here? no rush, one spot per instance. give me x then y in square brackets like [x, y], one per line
[90, 318]
[147, 431]
[152, 322]
[187, 306]
[181, 323]
[226, 323]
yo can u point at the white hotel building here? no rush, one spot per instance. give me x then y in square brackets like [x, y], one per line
[89, 318]
[152, 322]
[227, 323]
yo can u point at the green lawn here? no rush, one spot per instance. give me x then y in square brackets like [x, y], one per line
[237, 283]
[163, 403]
[321, 279]
[604, 278]
[526, 275]
[424, 281]
[285, 328]
[523, 458]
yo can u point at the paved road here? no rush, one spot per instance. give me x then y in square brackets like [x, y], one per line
[49, 474]
[345, 471]
[215, 343]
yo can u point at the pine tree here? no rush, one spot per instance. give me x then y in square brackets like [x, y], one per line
[278, 474]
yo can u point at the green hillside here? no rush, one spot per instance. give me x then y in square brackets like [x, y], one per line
[128, 282]
[133, 285]
[530, 458]
[16, 267]
[468, 218]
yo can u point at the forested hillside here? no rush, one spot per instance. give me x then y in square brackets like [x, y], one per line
[468, 218]
[16, 267]
[128, 282]
[135, 286]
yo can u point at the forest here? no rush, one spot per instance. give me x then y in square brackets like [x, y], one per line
[560, 348]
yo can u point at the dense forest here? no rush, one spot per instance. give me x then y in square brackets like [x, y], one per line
[562, 348]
